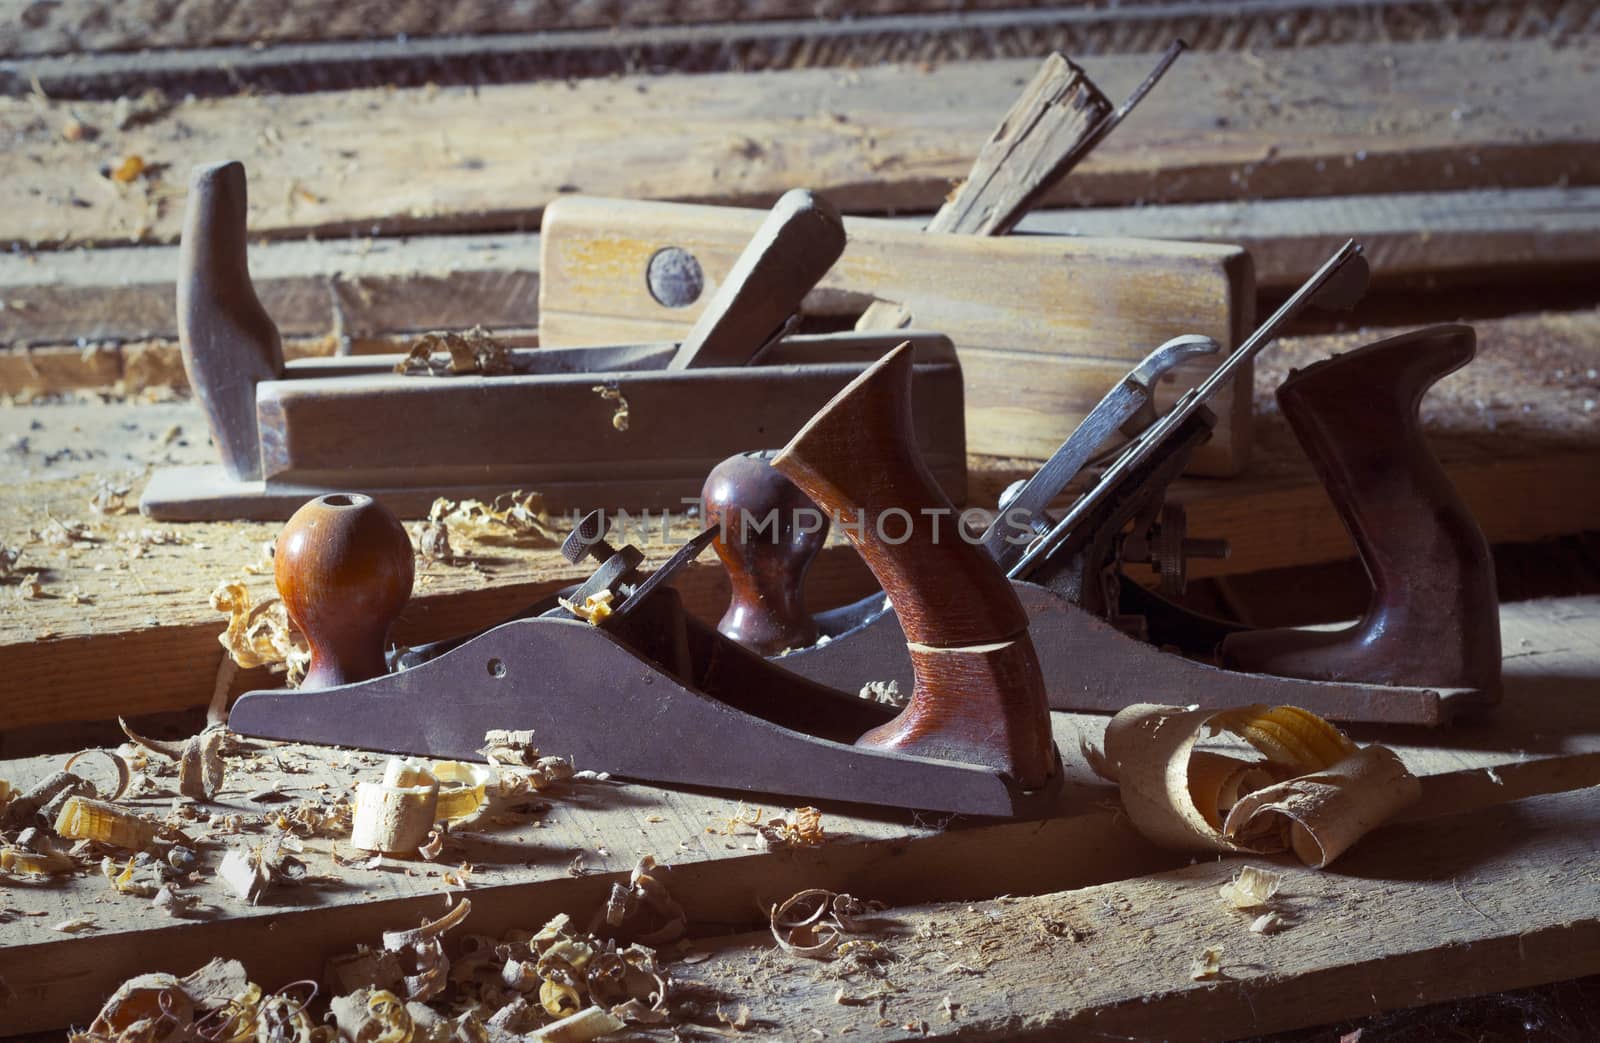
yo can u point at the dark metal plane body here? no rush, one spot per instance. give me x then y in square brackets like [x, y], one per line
[1427, 648]
[650, 694]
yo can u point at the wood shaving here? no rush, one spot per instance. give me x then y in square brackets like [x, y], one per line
[22, 808]
[1207, 965]
[802, 827]
[475, 351]
[1251, 888]
[29, 588]
[200, 764]
[1269, 922]
[595, 609]
[74, 925]
[109, 499]
[433, 543]
[613, 393]
[261, 635]
[395, 816]
[58, 533]
[9, 557]
[121, 764]
[514, 519]
[885, 692]
[1203, 800]
[83, 818]
[645, 895]
[173, 903]
[42, 858]
[813, 922]
[128, 170]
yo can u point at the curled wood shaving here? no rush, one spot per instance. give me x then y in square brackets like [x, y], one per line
[813, 922]
[801, 828]
[1315, 792]
[514, 519]
[422, 946]
[394, 816]
[463, 789]
[433, 542]
[595, 608]
[261, 635]
[613, 393]
[82, 818]
[119, 763]
[475, 351]
[502, 747]
[123, 881]
[1251, 888]
[22, 808]
[200, 765]
[42, 858]
[645, 892]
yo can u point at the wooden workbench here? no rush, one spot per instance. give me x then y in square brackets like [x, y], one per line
[1544, 739]
[1458, 139]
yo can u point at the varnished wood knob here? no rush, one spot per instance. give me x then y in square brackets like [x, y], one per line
[769, 533]
[344, 568]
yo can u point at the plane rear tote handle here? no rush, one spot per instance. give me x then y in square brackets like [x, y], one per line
[979, 696]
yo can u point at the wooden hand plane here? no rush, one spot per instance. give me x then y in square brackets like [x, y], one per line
[291, 430]
[1427, 648]
[614, 673]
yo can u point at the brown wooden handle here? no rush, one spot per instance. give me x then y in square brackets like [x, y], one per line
[979, 695]
[769, 532]
[343, 565]
[229, 342]
[794, 247]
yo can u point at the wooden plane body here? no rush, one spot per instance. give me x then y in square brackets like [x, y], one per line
[1043, 323]
[608, 427]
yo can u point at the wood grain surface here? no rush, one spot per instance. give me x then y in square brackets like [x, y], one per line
[1315, 121]
[1544, 739]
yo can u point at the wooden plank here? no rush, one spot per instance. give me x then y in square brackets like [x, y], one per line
[1043, 325]
[1425, 237]
[1313, 121]
[1419, 913]
[349, 287]
[1545, 739]
[687, 35]
[372, 287]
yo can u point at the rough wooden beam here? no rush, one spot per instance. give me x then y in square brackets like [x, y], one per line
[351, 287]
[1415, 888]
[371, 287]
[1419, 913]
[1314, 121]
[610, 37]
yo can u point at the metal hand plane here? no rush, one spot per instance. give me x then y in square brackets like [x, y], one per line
[291, 430]
[614, 673]
[1428, 646]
